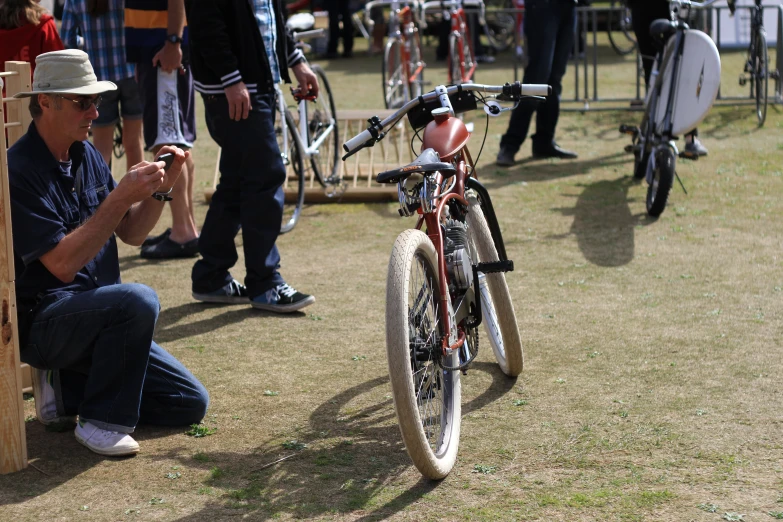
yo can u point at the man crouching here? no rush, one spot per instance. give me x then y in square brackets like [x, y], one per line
[88, 335]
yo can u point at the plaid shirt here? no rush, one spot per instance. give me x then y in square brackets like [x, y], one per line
[265, 17]
[104, 38]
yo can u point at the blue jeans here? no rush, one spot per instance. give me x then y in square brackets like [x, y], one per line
[250, 195]
[549, 27]
[110, 372]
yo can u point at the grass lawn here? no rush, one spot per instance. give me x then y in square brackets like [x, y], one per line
[653, 352]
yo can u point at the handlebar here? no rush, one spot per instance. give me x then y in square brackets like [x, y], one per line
[513, 91]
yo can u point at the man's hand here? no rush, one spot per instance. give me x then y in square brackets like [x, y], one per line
[238, 101]
[308, 81]
[141, 181]
[172, 174]
[169, 57]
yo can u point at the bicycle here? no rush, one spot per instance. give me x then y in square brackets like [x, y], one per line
[462, 59]
[402, 70]
[686, 82]
[620, 22]
[756, 68]
[309, 144]
[443, 284]
[500, 23]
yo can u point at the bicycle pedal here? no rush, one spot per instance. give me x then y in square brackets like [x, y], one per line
[496, 266]
[629, 148]
[628, 129]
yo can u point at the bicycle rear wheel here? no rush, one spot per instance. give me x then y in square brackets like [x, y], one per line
[294, 184]
[427, 398]
[322, 120]
[620, 28]
[499, 26]
[761, 76]
[117, 146]
[394, 82]
[497, 309]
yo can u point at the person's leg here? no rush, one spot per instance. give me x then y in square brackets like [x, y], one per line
[103, 125]
[216, 243]
[171, 396]
[183, 225]
[334, 27]
[378, 29]
[101, 341]
[132, 112]
[642, 15]
[548, 112]
[541, 26]
[345, 13]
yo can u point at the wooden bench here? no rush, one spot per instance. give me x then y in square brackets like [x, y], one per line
[13, 380]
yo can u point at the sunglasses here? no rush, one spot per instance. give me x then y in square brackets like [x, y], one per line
[84, 104]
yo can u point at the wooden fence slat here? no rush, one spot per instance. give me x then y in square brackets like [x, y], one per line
[18, 112]
[13, 444]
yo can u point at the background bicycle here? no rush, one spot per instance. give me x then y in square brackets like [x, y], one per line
[619, 28]
[402, 69]
[461, 58]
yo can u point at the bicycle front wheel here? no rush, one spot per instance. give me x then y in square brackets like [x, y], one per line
[663, 178]
[294, 185]
[426, 397]
[497, 309]
[761, 76]
[323, 122]
[395, 84]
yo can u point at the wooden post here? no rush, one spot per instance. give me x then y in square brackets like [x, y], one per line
[13, 445]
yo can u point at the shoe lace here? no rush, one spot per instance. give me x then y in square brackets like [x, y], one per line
[286, 290]
[236, 288]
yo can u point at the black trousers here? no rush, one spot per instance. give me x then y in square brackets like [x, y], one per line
[339, 9]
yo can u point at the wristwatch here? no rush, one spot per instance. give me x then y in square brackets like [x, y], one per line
[163, 196]
[173, 38]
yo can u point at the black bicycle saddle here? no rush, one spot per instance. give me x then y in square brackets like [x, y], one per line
[428, 161]
[661, 29]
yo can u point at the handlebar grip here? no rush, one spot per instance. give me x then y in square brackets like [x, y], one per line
[357, 141]
[536, 89]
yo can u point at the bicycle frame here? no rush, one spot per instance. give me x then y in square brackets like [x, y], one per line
[459, 32]
[402, 26]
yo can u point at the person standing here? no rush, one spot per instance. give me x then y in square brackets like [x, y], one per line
[644, 13]
[549, 26]
[26, 30]
[239, 50]
[339, 10]
[88, 335]
[156, 39]
[101, 25]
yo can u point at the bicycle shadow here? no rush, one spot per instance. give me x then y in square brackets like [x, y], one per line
[603, 222]
[530, 169]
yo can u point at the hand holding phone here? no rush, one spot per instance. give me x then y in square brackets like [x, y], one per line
[167, 158]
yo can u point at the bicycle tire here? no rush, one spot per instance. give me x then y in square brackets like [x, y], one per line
[761, 76]
[497, 309]
[394, 83]
[417, 86]
[456, 66]
[499, 27]
[294, 172]
[427, 398]
[620, 17]
[118, 148]
[663, 178]
[321, 115]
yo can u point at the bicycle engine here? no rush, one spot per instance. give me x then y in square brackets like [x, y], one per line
[458, 262]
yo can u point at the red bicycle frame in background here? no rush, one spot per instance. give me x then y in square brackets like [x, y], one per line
[460, 37]
[407, 29]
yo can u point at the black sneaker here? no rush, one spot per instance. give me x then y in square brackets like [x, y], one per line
[505, 158]
[553, 150]
[233, 293]
[154, 240]
[282, 299]
[169, 249]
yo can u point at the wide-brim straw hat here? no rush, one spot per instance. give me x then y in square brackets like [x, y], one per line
[65, 72]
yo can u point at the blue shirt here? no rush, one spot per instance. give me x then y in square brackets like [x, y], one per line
[45, 207]
[104, 38]
[265, 18]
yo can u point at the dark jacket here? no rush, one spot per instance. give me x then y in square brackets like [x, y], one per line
[226, 46]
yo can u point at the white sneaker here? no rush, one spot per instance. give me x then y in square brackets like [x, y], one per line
[104, 442]
[45, 401]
